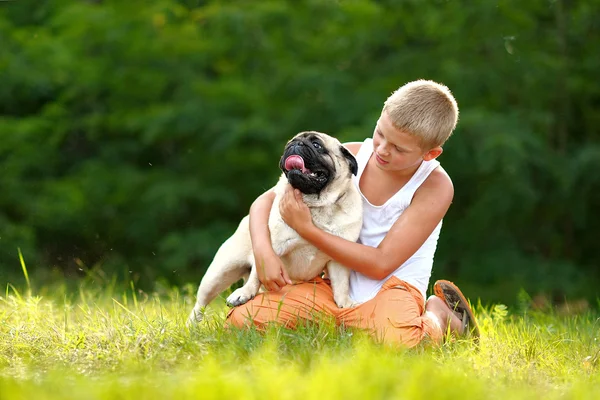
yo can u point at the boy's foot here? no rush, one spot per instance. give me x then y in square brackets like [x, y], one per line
[453, 297]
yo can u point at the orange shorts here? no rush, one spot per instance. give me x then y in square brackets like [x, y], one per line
[394, 315]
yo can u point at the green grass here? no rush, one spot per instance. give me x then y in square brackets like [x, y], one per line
[100, 343]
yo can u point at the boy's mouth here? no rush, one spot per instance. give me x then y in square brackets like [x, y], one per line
[381, 160]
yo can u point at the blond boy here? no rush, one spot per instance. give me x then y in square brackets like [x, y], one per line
[406, 194]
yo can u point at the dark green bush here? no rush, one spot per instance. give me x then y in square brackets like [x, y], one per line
[134, 135]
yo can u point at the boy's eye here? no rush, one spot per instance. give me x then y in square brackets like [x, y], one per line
[398, 149]
[316, 145]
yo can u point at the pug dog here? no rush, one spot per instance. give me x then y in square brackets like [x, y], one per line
[321, 168]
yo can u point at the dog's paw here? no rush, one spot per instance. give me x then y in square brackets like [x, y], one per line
[346, 303]
[195, 317]
[239, 297]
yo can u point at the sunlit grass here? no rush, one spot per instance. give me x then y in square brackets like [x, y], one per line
[105, 341]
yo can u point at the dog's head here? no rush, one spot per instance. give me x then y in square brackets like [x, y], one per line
[313, 161]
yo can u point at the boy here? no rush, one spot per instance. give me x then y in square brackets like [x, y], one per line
[406, 193]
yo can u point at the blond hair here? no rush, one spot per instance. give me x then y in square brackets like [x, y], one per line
[424, 109]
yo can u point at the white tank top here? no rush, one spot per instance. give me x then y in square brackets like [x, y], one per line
[378, 220]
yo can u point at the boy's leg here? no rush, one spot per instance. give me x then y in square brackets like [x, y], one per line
[293, 303]
[396, 315]
[437, 310]
[461, 318]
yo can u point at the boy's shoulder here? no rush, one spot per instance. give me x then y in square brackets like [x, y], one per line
[353, 147]
[438, 184]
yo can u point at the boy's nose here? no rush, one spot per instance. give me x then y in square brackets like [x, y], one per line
[383, 149]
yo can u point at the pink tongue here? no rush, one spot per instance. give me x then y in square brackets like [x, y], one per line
[295, 162]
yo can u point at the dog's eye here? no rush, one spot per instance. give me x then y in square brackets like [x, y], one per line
[316, 145]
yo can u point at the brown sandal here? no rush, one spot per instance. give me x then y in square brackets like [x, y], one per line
[453, 297]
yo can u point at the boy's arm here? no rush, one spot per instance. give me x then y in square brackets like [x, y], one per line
[429, 205]
[270, 269]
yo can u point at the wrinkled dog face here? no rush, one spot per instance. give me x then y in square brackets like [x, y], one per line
[312, 161]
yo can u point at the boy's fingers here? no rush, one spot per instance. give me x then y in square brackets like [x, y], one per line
[285, 200]
[285, 276]
[273, 286]
[280, 282]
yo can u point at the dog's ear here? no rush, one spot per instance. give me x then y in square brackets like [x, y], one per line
[351, 160]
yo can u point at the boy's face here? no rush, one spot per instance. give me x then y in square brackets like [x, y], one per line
[396, 150]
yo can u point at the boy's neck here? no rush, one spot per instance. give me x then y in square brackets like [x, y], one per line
[399, 175]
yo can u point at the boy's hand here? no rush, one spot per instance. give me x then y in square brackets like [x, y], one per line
[271, 271]
[294, 211]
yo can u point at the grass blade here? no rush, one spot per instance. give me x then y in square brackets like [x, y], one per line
[25, 271]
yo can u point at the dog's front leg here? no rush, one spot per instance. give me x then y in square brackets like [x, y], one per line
[340, 284]
[245, 293]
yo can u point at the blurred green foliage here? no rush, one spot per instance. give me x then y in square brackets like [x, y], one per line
[134, 135]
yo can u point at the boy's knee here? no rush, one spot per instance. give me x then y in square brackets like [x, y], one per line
[238, 317]
[245, 316]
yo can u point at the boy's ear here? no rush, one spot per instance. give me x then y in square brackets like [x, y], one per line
[433, 153]
[351, 160]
